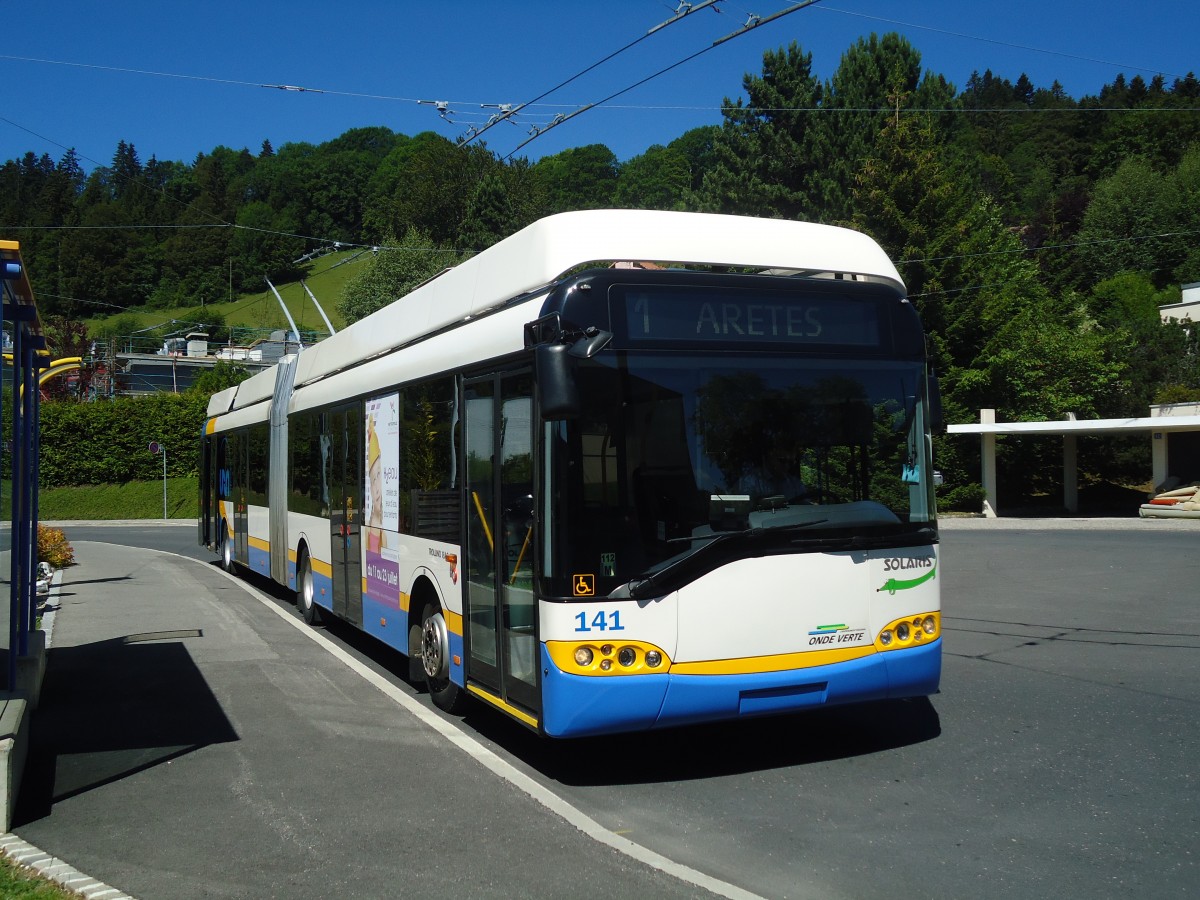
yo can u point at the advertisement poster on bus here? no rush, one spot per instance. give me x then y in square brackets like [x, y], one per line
[382, 499]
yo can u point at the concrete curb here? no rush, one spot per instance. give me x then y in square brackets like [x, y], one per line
[25, 854]
[1079, 523]
[15, 848]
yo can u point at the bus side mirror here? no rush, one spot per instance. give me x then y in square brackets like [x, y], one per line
[554, 370]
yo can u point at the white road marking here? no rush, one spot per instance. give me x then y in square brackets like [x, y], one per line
[492, 761]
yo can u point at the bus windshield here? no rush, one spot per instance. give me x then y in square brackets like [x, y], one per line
[674, 451]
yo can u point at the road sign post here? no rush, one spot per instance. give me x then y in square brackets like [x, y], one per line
[156, 447]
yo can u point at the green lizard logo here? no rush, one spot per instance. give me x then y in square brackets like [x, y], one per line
[895, 584]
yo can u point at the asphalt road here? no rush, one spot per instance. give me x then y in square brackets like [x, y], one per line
[1060, 757]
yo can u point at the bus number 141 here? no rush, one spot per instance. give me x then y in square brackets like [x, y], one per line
[601, 621]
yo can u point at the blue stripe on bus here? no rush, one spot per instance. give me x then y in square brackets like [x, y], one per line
[322, 591]
[390, 625]
[578, 705]
[258, 560]
[387, 623]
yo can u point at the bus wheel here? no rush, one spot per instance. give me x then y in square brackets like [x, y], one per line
[435, 660]
[306, 593]
[226, 550]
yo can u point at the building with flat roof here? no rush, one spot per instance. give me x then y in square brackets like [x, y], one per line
[1173, 429]
[1187, 310]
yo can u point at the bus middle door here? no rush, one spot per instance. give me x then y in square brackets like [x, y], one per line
[346, 473]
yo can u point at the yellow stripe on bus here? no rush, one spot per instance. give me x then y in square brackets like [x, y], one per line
[501, 705]
[259, 544]
[779, 662]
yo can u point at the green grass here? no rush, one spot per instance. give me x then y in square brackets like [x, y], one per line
[20, 882]
[134, 500]
[325, 278]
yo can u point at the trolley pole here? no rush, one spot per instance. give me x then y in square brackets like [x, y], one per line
[156, 447]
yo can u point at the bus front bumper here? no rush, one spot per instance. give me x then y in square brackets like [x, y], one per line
[581, 705]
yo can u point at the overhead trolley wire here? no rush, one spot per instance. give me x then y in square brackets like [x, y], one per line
[687, 10]
[751, 24]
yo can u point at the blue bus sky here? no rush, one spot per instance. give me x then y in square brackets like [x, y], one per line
[178, 79]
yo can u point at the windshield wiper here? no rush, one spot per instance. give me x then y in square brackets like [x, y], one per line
[709, 556]
[711, 536]
[647, 583]
[918, 538]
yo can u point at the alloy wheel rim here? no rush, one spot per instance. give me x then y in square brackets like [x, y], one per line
[434, 646]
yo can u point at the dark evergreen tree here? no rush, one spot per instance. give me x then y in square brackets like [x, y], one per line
[767, 153]
[579, 178]
[489, 216]
[658, 179]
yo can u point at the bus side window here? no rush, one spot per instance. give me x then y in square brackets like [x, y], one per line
[430, 503]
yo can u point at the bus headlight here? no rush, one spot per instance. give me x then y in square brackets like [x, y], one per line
[629, 658]
[910, 633]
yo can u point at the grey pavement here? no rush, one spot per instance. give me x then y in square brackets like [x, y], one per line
[192, 743]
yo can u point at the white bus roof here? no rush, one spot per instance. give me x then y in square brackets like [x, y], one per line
[542, 252]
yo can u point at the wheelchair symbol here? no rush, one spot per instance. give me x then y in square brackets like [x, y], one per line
[584, 585]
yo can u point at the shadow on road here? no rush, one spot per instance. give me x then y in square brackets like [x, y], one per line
[111, 709]
[721, 748]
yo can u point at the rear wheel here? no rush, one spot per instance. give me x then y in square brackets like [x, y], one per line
[435, 660]
[227, 562]
[306, 591]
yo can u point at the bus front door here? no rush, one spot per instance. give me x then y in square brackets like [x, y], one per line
[500, 611]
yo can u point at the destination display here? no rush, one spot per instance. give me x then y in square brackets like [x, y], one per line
[752, 318]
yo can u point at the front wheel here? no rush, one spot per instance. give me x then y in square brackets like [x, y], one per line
[435, 661]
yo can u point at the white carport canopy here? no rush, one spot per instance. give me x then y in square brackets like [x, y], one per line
[987, 428]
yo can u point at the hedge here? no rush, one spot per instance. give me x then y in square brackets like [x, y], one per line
[108, 442]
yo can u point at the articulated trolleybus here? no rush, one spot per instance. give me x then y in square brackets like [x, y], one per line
[623, 470]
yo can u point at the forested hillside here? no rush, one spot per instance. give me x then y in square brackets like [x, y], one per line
[1037, 232]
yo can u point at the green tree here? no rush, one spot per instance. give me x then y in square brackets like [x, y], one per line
[489, 215]
[224, 374]
[767, 152]
[698, 147]
[1126, 225]
[395, 270]
[658, 179]
[877, 80]
[579, 178]
[424, 183]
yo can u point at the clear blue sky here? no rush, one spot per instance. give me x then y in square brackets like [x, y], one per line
[374, 60]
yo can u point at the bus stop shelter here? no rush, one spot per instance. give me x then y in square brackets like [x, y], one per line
[24, 650]
[1165, 423]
